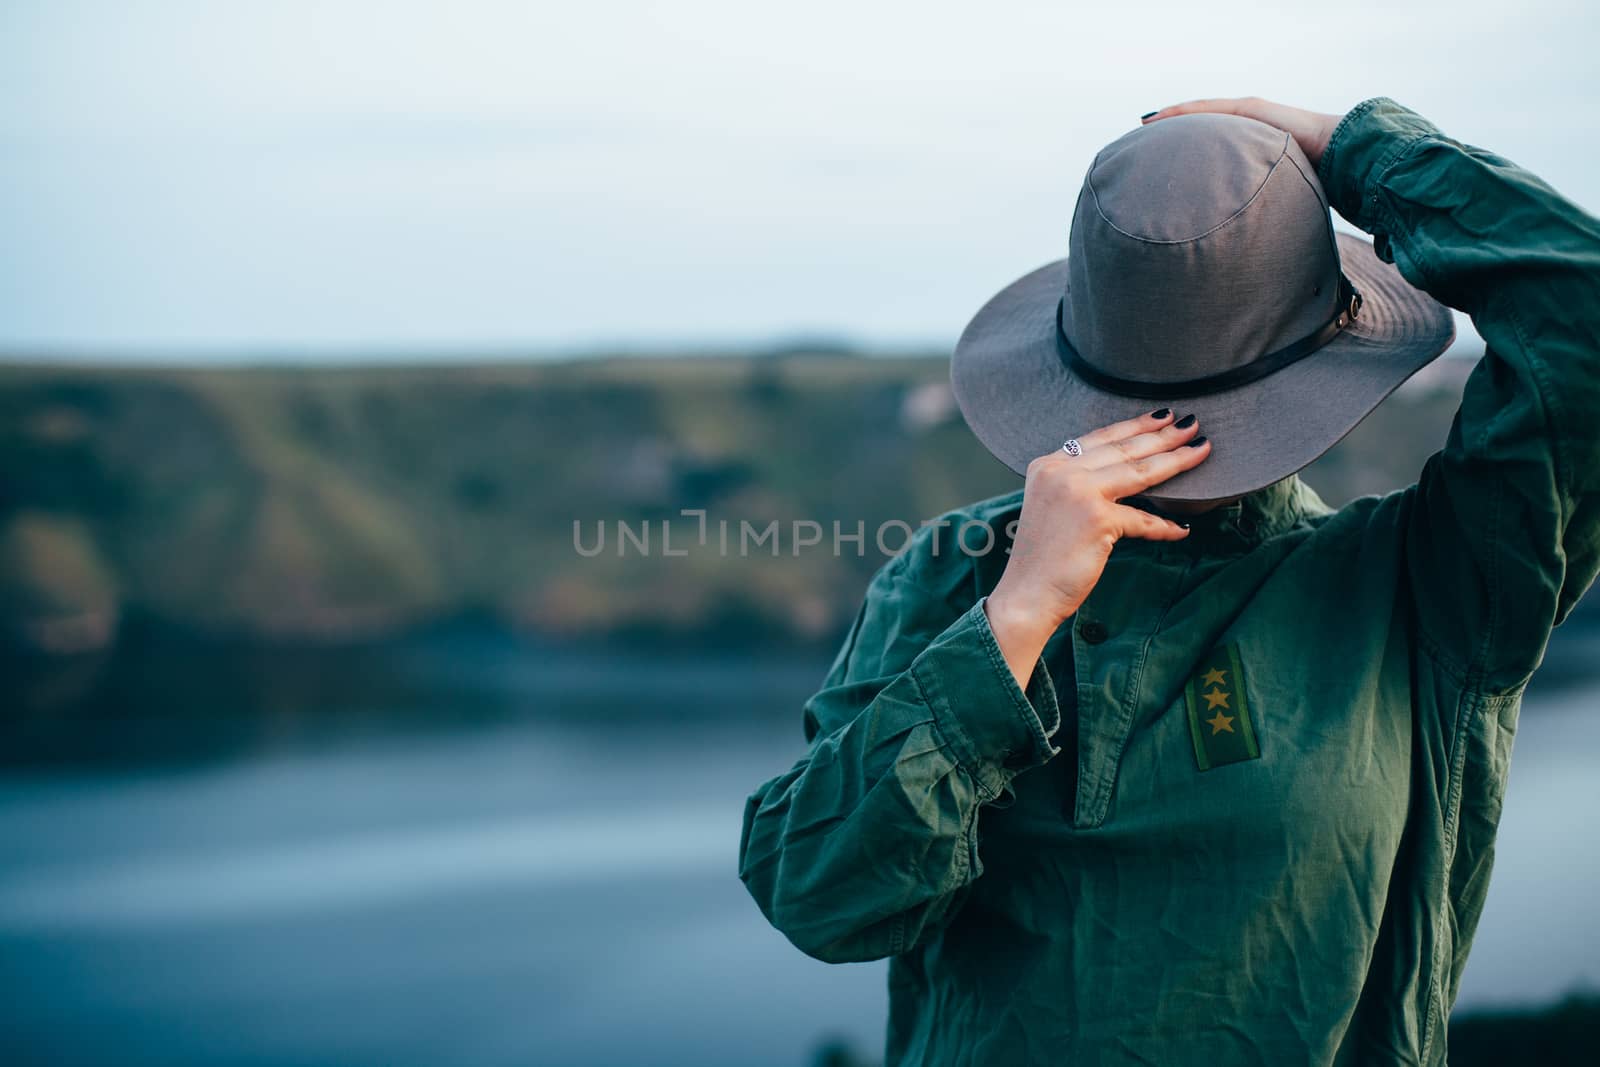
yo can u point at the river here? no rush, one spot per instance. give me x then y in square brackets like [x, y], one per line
[508, 858]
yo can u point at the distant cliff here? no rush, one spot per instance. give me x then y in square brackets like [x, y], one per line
[345, 504]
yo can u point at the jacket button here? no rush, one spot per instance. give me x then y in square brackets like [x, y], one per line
[1093, 632]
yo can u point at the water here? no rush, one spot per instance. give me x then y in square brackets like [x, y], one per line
[509, 859]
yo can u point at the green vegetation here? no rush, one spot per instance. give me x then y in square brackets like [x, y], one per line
[296, 504]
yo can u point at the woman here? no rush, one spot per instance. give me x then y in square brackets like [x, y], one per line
[1192, 768]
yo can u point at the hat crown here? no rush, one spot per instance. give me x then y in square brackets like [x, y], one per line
[1199, 244]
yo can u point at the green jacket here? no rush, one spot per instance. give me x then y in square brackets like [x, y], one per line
[1245, 811]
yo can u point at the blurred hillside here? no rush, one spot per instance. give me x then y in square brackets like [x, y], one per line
[322, 505]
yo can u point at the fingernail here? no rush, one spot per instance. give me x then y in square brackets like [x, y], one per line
[1160, 413]
[1184, 525]
[1198, 441]
[1147, 114]
[1185, 422]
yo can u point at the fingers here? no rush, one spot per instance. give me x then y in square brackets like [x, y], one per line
[1139, 445]
[1126, 458]
[1310, 129]
[1225, 105]
[1136, 523]
[1119, 431]
[1136, 475]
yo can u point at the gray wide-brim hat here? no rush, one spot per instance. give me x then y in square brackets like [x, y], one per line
[1203, 275]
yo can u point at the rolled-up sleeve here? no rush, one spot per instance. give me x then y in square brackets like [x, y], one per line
[994, 727]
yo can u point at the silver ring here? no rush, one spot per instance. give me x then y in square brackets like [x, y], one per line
[1072, 447]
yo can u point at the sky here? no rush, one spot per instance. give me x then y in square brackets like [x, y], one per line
[295, 180]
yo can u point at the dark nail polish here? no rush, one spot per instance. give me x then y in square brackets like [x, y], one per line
[1147, 115]
[1184, 525]
[1198, 441]
[1160, 413]
[1185, 422]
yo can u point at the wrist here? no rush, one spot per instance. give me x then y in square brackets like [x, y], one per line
[1318, 141]
[1025, 618]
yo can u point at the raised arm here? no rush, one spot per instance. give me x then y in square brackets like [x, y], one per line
[937, 700]
[1502, 528]
[1503, 535]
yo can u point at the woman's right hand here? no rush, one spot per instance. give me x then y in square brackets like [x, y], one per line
[1070, 520]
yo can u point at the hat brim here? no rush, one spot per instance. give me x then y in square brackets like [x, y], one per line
[1022, 401]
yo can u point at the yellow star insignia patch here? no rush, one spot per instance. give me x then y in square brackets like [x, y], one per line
[1222, 726]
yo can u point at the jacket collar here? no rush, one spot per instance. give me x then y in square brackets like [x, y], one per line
[1249, 520]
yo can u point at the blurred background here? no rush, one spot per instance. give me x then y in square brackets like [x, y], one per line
[325, 330]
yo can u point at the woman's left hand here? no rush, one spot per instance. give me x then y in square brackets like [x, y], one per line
[1310, 129]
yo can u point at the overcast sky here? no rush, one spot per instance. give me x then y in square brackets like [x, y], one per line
[304, 178]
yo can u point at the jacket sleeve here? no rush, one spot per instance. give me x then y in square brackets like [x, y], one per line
[1502, 536]
[869, 842]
